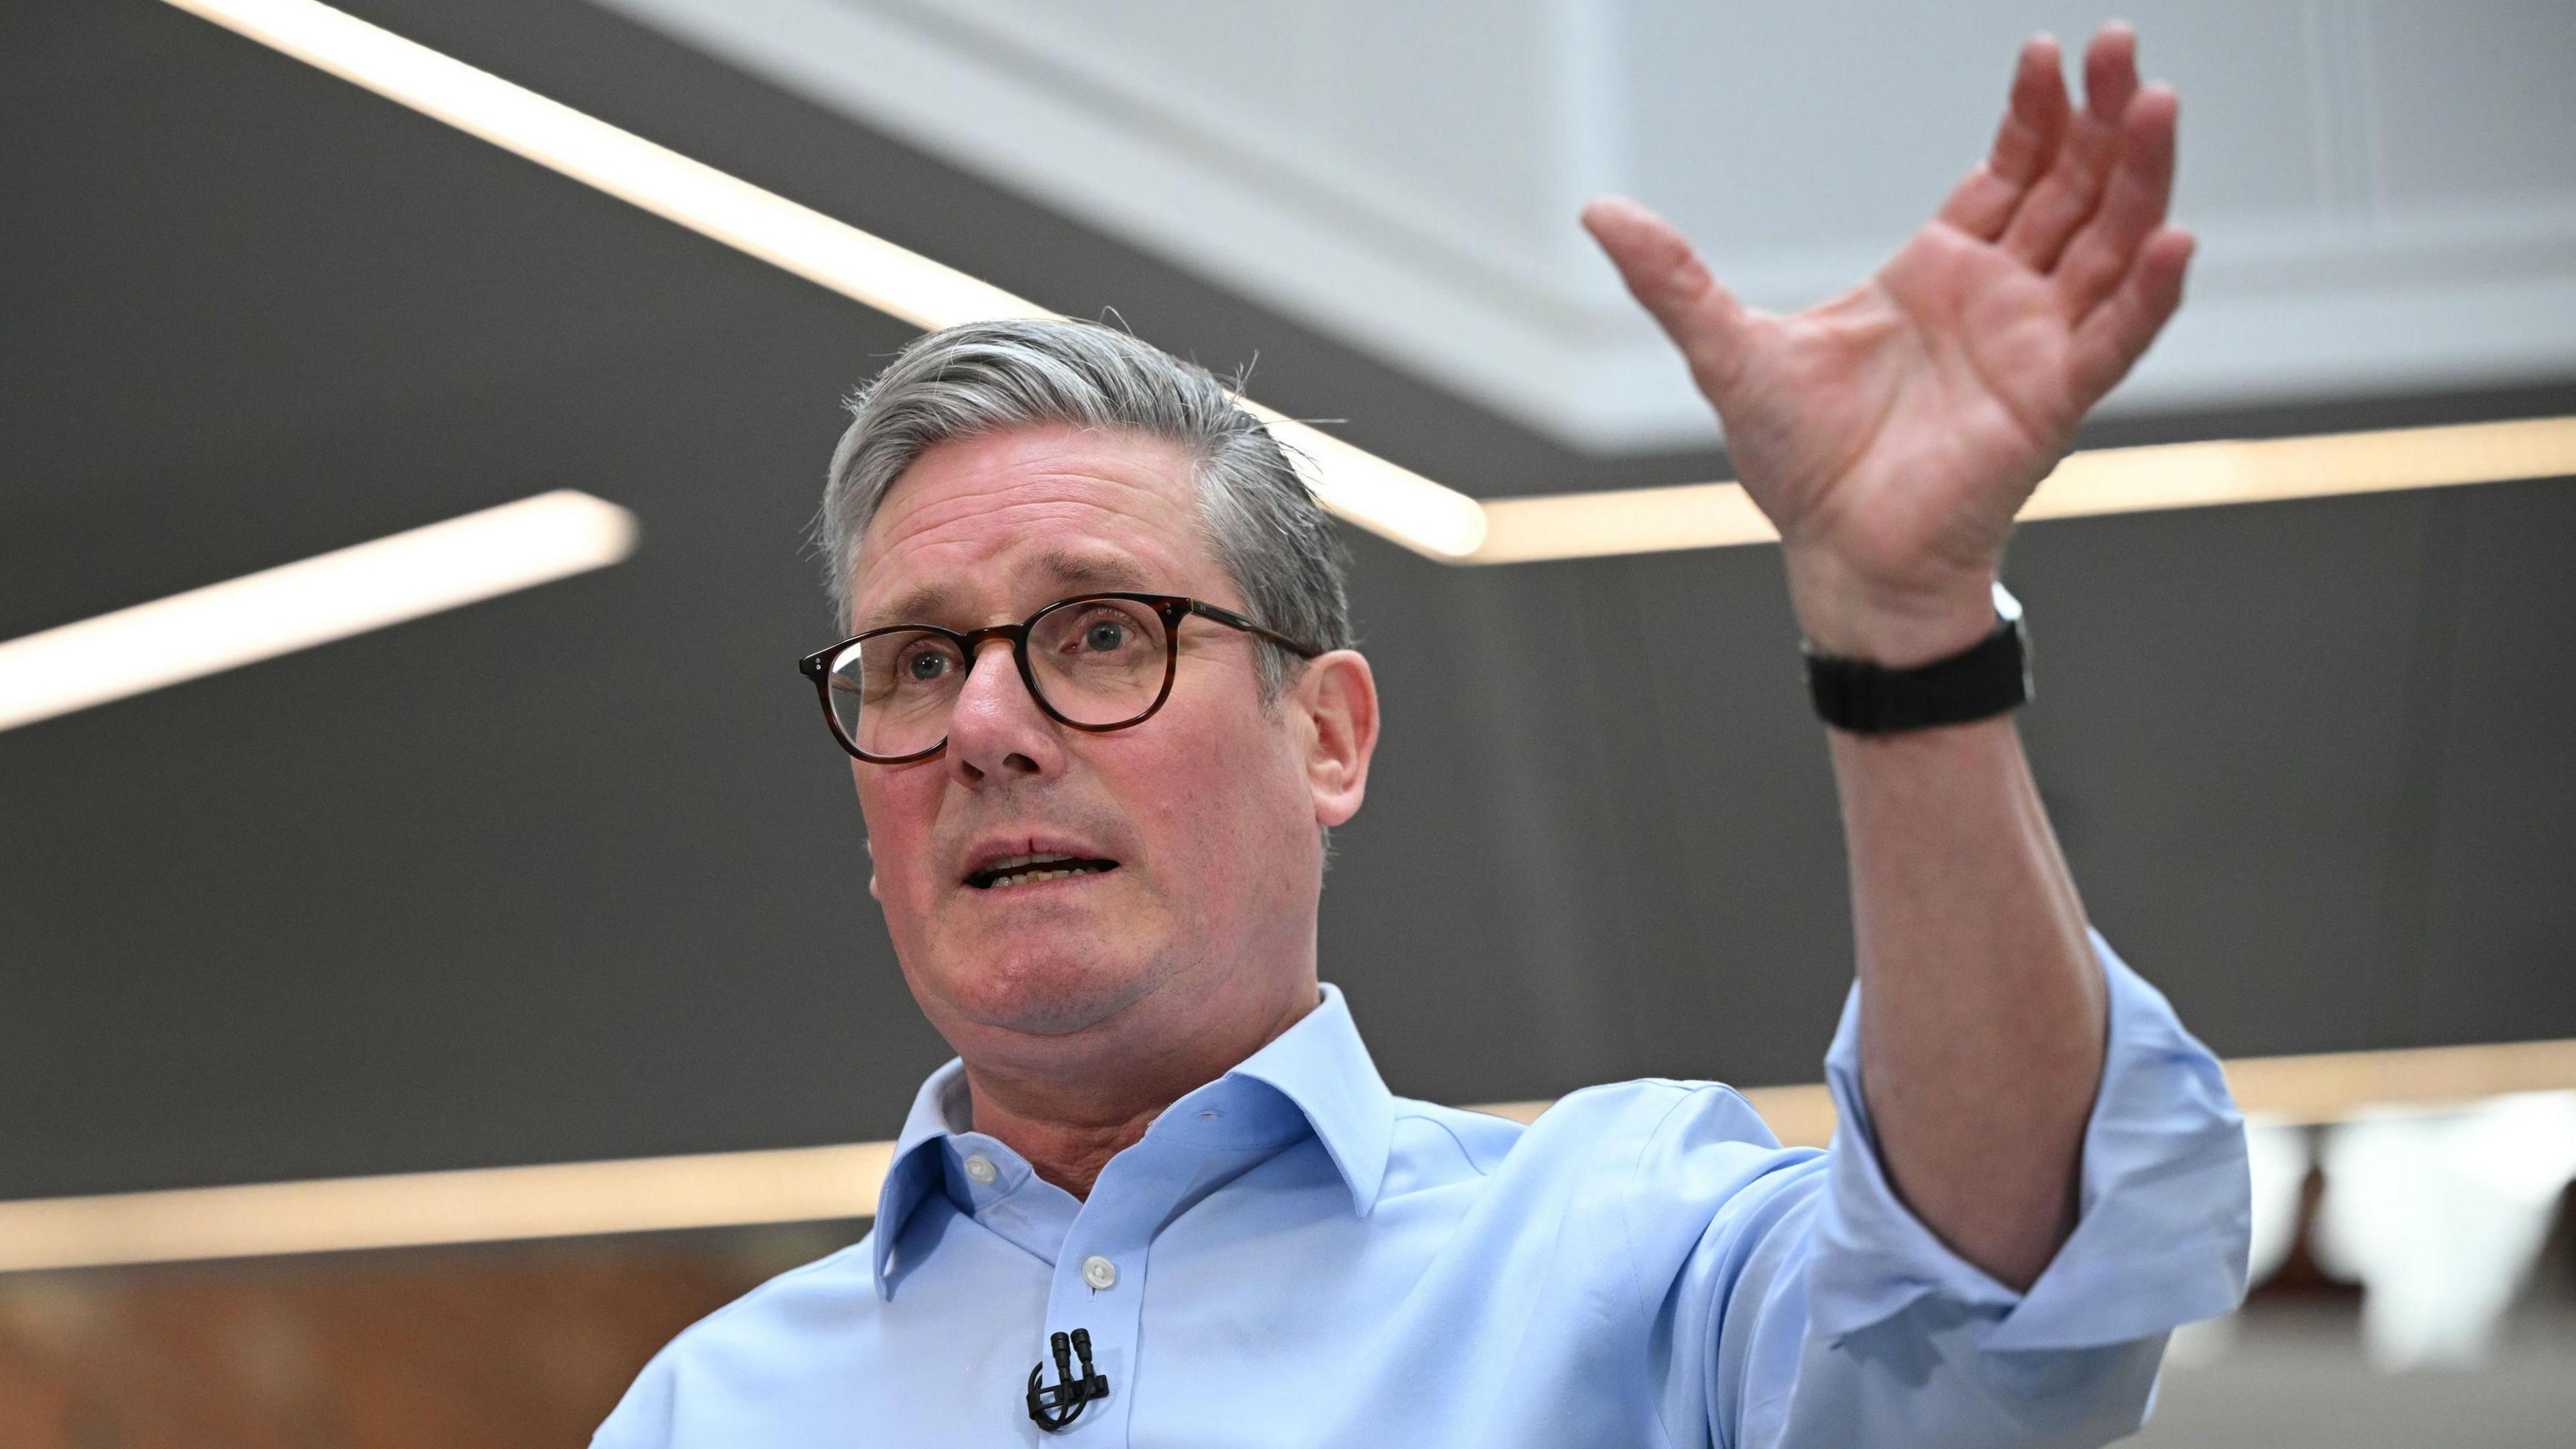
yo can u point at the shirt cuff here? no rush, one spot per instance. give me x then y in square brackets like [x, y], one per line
[2162, 1213]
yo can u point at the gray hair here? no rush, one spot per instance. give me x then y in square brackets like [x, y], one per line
[983, 377]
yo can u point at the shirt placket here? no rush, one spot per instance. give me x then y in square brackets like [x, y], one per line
[1099, 1283]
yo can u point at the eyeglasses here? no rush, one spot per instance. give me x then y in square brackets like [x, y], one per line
[1097, 662]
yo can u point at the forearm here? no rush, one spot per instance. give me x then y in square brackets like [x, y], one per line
[1892, 435]
[1982, 1009]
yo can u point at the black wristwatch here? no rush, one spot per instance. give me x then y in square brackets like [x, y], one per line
[1988, 678]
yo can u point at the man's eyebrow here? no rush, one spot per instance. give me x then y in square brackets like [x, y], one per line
[1093, 571]
[919, 604]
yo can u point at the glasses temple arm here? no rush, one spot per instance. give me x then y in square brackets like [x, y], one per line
[1233, 620]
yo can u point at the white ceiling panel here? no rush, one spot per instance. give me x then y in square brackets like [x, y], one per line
[2386, 193]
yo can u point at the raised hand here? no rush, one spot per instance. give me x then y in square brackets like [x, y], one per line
[1892, 433]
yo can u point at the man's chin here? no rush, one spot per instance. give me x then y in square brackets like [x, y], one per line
[1043, 992]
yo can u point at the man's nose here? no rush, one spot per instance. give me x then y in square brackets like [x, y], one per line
[996, 729]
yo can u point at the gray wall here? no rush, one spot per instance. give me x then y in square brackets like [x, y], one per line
[575, 873]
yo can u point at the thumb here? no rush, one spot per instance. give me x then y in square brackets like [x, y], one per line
[1667, 277]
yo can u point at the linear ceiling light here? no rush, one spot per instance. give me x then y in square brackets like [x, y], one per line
[816, 1184]
[2103, 480]
[418, 1209]
[1356, 485]
[1396, 503]
[298, 605]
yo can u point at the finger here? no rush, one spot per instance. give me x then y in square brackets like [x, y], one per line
[2033, 121]
[2061, 200]
[2133, 205]
[2111, 70]
[1667, 277]
[2114, 335]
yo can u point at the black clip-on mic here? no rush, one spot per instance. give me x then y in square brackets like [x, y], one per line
[1057, 1405]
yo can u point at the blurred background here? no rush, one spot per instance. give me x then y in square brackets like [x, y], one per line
[574, 873]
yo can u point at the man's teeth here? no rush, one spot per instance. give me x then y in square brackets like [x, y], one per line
[1027, 876]
[1018, 876]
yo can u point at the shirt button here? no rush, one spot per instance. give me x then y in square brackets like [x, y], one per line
[1100, 1273]
[980, 1168]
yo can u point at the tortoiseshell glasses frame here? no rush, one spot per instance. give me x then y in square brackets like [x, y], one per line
[824, 666]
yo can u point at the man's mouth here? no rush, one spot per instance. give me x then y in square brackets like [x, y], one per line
[1019, 870]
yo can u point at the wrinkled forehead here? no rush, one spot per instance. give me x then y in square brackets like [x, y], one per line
[961, 598]
[988, 528]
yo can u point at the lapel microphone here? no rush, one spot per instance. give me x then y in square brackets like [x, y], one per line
[1055, 1406]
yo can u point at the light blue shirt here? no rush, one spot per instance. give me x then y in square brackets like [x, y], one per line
[1295, 1256]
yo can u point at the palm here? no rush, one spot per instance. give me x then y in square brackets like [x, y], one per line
[1901, 425]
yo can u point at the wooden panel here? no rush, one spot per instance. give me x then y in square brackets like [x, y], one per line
[492, 1348]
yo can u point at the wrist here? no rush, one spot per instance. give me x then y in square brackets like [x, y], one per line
[1897, 624]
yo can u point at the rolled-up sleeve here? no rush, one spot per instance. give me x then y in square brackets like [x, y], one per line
[1828, 1313]
[2163, 1212]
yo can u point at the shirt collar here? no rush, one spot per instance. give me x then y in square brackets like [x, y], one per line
[914, 1170]
[1318, 1064]
[1322, 1067]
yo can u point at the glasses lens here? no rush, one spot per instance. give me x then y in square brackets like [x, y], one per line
[892, 692]
[1099, 661]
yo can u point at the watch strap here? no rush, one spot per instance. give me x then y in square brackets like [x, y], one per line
[1988, 678]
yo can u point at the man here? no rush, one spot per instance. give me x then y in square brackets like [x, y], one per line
[1103, 711]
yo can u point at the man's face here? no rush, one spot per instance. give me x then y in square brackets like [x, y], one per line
[1208, 809]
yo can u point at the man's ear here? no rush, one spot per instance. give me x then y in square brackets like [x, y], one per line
[1338, 697]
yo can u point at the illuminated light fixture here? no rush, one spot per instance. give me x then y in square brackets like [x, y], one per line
[816, 1184]
[1621, 521]
[1393, 502]
[2196, 475]
[419, 1209]
[763, 224]
[2103, 480]
[1356, 485]
[314, 601]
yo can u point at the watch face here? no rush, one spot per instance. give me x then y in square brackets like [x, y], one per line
[2005, 604]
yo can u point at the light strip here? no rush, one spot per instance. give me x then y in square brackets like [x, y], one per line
[1355, 485]
[420, 1209]
[814, 1184]
[1394, 503]
[2103, 480]
[298, 605]
[1621, 521]
[662, 181]
[2293, 1090]
[2335, 1086]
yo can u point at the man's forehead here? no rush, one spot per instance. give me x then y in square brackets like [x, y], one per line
[1000, 523]
[1055, 570]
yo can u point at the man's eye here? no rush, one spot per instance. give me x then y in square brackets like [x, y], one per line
[926, 667]
[1106, 636]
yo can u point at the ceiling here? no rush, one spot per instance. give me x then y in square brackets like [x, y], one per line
[1404, 176]
[575, 873]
